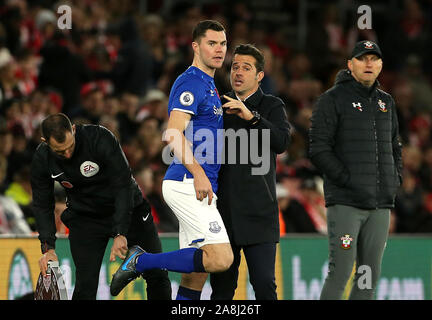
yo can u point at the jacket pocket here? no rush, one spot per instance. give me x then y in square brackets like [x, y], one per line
[345, 180]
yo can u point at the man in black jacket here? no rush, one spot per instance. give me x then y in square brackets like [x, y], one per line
[354, 143]
[103, 201]
[247, 194]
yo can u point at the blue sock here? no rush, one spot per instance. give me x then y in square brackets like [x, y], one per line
[187, 294]
[184, 260]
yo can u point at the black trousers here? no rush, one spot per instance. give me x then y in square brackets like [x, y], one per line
[260, 259]
[88, 239]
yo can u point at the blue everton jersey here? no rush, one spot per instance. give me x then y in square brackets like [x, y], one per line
[194, 92]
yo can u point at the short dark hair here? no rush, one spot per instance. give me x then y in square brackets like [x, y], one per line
[251, 50]
[56, 126]
[202, 27]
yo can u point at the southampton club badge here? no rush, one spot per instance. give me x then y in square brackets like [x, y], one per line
[214, 227]
[346, 241]
[382, 106]
[368, 45]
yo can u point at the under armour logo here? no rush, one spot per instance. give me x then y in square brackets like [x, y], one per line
[358, 106]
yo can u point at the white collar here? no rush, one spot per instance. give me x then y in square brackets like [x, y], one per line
[246, 97]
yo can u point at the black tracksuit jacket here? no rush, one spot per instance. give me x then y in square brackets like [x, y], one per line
[97, 180]
[353, 141]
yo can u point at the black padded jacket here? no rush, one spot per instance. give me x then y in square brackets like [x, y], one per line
[354, 142]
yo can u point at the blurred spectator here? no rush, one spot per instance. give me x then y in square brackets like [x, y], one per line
[420, 128]
[153, 146]
[153, 33]
[306, 210]
[64, 70]
[8, 82]
[325, 41]
[111, 123]
[154, 104]
[135, 152]
[45, 22]
[419, 82]
[412, 159]
[21, 154]
[133, 68]
[147, 129]
[268, 83]
[406, 109]
[410, 29]
[426, 170]
[300, 134]
[20, 191]
[92, 103]
[282, 196]
[127, 116]
[112, 105]
[11, 19]
[12, 219]
[43, 103]
[239, 10]
[409, 210]
[303, 88]
[354, 34]
[26, 72]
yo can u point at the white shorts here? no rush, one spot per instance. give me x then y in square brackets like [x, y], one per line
[199, 223]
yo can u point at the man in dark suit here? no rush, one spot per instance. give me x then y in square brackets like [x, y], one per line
[247, 194]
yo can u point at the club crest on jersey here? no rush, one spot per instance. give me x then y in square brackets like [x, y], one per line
[382, 106]
[89, 169]
[187, 98]
[346, 241]
[214, 227]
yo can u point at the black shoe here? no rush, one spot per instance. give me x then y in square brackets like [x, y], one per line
[127, 271]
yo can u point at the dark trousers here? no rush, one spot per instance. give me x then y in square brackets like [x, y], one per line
[88, 239]
[260, 259]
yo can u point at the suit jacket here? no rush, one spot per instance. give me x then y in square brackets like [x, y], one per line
[247, 179]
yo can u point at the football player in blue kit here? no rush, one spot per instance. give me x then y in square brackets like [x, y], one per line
[195, 136]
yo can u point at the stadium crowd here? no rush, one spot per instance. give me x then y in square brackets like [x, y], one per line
[116, 65]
